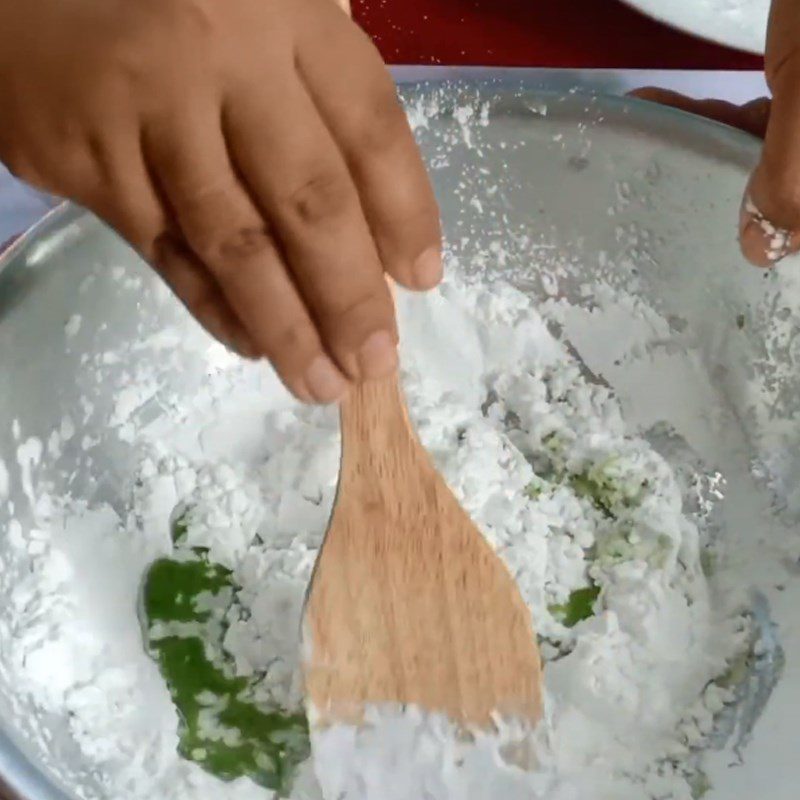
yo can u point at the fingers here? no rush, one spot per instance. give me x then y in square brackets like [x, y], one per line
[229, 237]
[751, 117]
[300, 181]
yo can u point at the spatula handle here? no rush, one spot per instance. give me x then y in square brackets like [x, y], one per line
[374, 414]
[376, 430]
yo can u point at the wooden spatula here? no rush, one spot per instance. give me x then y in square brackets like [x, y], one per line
[408, 603]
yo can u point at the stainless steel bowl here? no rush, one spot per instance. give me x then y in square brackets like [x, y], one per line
[565, 176]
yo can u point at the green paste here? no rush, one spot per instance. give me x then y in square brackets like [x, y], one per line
[579, 606]
[187, 601]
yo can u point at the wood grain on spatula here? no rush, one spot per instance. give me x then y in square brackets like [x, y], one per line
[408, 603]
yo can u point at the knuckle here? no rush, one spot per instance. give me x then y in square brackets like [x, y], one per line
[244, 243]
[197, 192]
[224, 230]
[228, 248]
[366, 304]
[324, 196]
[782, 61]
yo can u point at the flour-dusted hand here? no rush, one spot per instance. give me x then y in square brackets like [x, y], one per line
[770, 215]
[253, 151]
[770, 224]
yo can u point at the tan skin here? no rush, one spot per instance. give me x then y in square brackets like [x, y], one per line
[254, 152]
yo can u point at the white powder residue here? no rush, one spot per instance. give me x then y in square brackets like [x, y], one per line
[4, 480]
[29, 455]
[73, 325]
[375, 761]
[778, 240]
[537, 453]
[401, 753]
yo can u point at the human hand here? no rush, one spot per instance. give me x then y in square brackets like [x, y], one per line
[253, 151]
[770, 215]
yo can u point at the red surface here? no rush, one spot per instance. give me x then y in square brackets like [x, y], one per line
[534, 33]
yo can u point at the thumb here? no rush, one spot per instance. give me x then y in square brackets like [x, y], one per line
[770, 217]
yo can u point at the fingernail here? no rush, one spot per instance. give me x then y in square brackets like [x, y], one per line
[377, 357]
[428, 268]
[324, 380]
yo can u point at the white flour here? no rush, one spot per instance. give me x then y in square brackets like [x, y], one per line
[540, 457]
[3, 480]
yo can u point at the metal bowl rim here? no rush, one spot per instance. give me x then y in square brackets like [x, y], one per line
[19, 778]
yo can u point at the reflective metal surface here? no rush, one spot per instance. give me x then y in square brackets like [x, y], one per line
[564, 177]
[21, 207]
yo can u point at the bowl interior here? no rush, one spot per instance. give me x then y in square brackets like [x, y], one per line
[558, 193]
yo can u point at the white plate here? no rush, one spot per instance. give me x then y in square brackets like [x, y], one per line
[737, 23]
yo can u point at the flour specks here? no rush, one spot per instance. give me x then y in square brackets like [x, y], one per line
[587, 514]
[4, 480]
